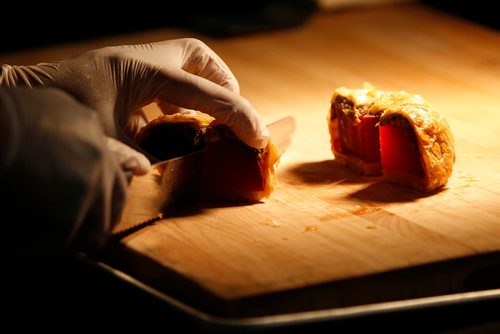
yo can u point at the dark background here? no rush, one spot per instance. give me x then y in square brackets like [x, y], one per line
[103, 302]
[33, 26]
[26, 26]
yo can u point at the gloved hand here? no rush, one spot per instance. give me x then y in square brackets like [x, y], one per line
[118, 81]
[62, 186]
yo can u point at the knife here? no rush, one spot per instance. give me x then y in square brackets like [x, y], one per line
[176, 182]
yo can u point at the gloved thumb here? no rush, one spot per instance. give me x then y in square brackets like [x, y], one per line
[128, 158]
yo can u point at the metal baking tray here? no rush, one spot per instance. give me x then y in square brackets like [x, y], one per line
[285, 321]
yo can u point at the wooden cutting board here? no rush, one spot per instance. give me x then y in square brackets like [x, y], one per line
[327, 237]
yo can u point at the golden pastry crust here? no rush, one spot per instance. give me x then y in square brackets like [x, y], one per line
[198, 119]
[434, 137]
[435, 141]
[270, 159]
[170, 136]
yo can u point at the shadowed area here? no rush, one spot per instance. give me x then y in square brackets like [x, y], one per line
[331, 172]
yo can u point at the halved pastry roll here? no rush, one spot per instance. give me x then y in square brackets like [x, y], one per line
[395, 134]
[235, 171]
[231, 170]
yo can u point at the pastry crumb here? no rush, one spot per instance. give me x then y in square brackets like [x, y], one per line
[310, 228]
[270, 222]
[467, 176]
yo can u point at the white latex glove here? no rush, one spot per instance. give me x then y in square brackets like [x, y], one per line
[118, 81]
[61, 185]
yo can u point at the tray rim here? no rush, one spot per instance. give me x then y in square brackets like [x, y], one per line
[295, 318]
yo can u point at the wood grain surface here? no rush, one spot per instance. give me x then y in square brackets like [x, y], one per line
[327, 237]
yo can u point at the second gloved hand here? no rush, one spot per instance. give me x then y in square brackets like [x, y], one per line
[118, 81]
[62, 186]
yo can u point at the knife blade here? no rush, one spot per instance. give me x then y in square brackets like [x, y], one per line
[175, 182]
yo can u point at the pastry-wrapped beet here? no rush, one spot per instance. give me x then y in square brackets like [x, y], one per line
[235, 171]
[417, 146]
[394, 134]
[231, 170]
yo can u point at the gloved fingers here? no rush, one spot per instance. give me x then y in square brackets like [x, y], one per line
[128, 158]
[201, 60]
[193, 92]
[135, 122]
[191, 55]
[170, 109]
[106, 204]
